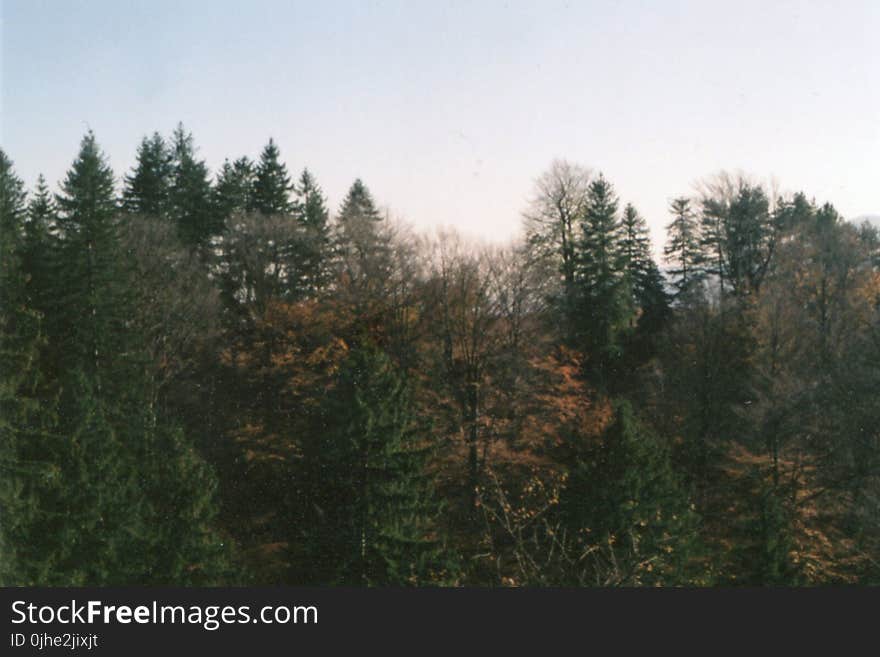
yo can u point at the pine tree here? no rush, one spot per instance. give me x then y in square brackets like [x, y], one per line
[363, 247]
[148, 188]
[738, 235]
[191, 196]
[376, 504]
[602, 307]
[38, 247]
[358, 205]
[646, 303]
[624, 500]
[311, 213]
[749, 239]
[272, 185]
[636, 263]
[234, 191]
[96, 479]
[19, 353]
[91, 307]
[683, 250]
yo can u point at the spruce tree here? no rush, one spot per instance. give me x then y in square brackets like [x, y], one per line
[683, 250]
[749, 239]
[19, 353]
[625, 501]
[272, 184]
[312, 214]
[191, 195]
[147, 188]
[101, 472]
[644, 289]
[358, 205]
[602, 307]
[636, 263]
[38, 246]
[363, 246]
[377, 510]
[234, 191]
[91, 305]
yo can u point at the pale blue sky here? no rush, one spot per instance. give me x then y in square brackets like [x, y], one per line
[449, 110]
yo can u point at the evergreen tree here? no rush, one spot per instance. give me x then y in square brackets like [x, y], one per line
[738, 235]
[358, 205]
[191, 196]
[645, 298]
[39, 245]
[234, 191]
[147, 189]
[749, 239]
[97, 481]
[602, 307]
[363, 247]
[19, 349]
[91, 306]
[794, 213]
[272, 185]
[311, 213]
[377, 509]
[636, 263]
[683, 249]
[624, 499]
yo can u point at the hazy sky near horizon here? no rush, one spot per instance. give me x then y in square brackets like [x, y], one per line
[449, 110]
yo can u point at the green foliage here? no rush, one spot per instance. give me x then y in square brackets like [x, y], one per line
[105, 492]
[358, 205]
[272, 184]
[602, 307]
[90, 304]
[683, 249]
[20, 341]
[234, 191]
[643, 284]
[312, 214]
[376, 510]
[624, 500]
[191, 196]
[754, 459]
[148, 188]
[738, 235]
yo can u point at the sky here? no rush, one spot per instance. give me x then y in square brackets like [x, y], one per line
[449, 110]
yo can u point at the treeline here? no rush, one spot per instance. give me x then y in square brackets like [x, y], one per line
[216, 381]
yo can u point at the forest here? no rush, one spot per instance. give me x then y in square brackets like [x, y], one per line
[216, 379]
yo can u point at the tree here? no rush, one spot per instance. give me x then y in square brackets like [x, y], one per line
[376, 503]
[191, 195]
[624, 499]
[147, 188]
[91, 304]
[358, 205]
[272, 185]
[363, 245]
[551, 221]
[97, 493]
[234, 191]
[738, 233]
[262, 259]
[602, 308]
[465, 319]
[23, 418]
[683, 249]
[311, 212]
[37, 248]
[642, 279]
